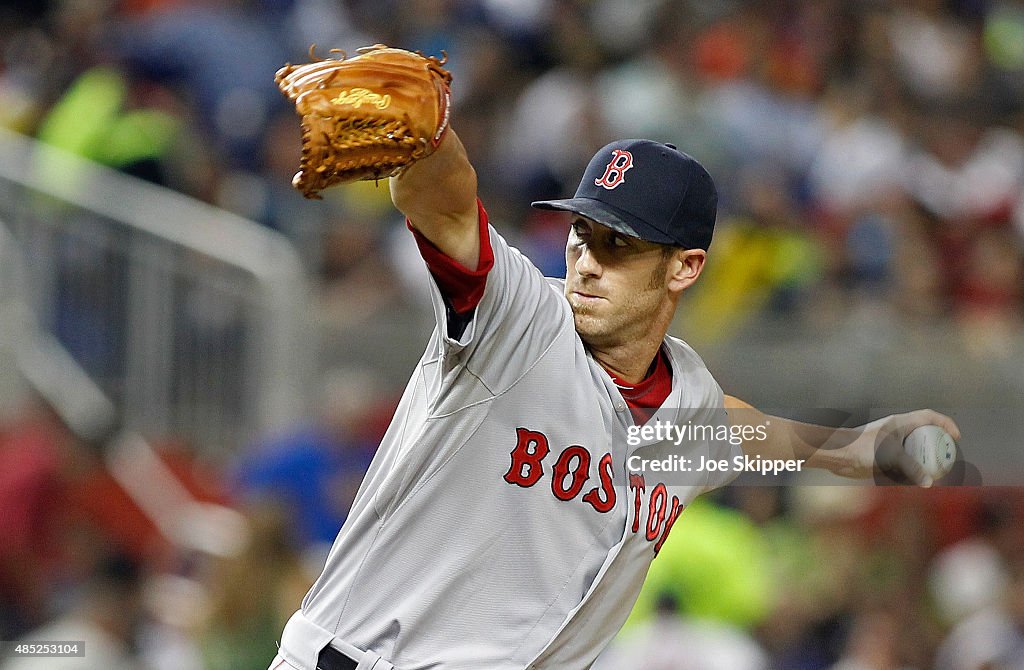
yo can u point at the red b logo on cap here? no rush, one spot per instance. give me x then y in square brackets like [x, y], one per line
[615, 171]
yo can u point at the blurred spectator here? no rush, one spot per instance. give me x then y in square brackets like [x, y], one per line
[967, 578]
[110, 119]
[933, 50]
[863, 157]
[324, 22]
[43, 552]
[106, 616]
[964, 171]
[992, 637]
[553, 124]
[988, 295]
[672, 642]
[873, 643]
[223, 54]
[315, 469]
[252, 594]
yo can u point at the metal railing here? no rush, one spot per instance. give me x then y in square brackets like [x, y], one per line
[41, 361]
[194, 321]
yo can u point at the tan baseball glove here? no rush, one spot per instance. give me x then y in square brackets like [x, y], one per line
[365, 117]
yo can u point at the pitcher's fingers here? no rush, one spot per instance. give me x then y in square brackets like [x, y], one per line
[942, 421]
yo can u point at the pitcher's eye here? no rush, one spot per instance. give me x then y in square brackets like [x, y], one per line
[620, 241]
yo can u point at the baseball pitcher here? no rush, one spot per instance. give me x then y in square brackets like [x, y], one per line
[509, 516]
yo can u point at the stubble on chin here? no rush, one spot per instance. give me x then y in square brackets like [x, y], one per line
[588, 326]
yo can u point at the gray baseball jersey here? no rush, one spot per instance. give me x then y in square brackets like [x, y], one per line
[498, 526]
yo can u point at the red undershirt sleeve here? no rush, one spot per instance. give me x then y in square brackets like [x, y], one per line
[461, 287]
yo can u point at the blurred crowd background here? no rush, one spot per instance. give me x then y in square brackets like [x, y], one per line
[870, 159]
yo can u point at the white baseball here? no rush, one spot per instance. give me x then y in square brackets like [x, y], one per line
[933, 448]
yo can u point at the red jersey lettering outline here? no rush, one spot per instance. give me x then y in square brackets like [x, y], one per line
[677, 509]
[656, 511]
[526, 466]
[604, 470]
[579, 476]
[637, 483]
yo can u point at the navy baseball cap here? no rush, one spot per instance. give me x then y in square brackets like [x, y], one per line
[647, 190]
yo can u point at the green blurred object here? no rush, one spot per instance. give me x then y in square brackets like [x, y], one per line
[249, 647]
[80, 120]
[91, 121]
[138, 135]
[716, 564]
[1003, 37]
[752, 263]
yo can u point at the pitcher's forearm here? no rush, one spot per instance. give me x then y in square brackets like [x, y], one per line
[786, 439]
[438, 195]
